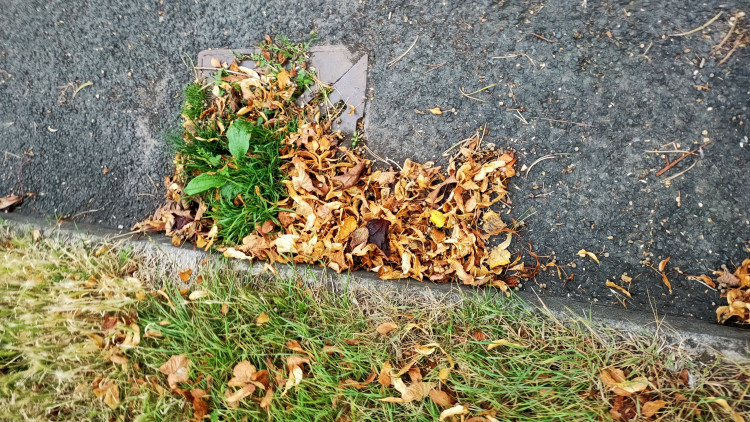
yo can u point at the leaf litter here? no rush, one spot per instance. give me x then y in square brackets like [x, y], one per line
[337, 209]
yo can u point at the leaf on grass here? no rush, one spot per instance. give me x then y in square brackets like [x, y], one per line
[441, 398]
[437, 218]
[583, 253]
[351, 177]
[295, 346]
[415, 392]
[378, 234]
[454, 411]
[435, 110]
[233, 398]
[238, 137]
[359, 385]
[198, 294]
[224, 309]
[651, 407]
[294, 366]
[426, 349]
[615, 379]
[262, 318]
[386, 327]
[620, 288]
[200, 407]
[242, 374]
[283, 79]
[204, 182]
[176, 369]
[265, 402]
[9, 202]
[723, 403]
[502, 342]
[385, 374]
[185, 275]
[109, 392]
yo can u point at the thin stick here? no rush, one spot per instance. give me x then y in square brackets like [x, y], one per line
[521, 118]
[474, 98]
[435, 66]
[377, 157]
[565, 121]
[682, 34]
[394, 61]
[680, 173]
[226, 70]
[734, 48]
[541, 37]
[729, 34]
[546, 157]
[481, 89]
[670, 165]
[656, 151]
[513, 56]
[463, 141]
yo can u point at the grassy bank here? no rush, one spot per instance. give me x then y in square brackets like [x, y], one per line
[83, 339]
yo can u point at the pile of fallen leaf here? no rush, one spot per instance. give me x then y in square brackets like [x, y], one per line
[418, 221]
[737, 294]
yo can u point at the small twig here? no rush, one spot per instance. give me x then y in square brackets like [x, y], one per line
[680, 173]
[565, 121]
[379, 158]
[513, 56]
[81, 213]
[435, 66]
[226, 70]
[546, 157]
[657, 151]
[729, 34]
[682, 34]
[20, 184]
[394, 61]
[734, 48]
[520, 117]
[672, 164]
[650, 43]
[541, 37]
[469, 95]
[463, 141]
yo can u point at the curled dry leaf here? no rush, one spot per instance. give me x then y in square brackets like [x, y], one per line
[176, 369]
[502, 342]
[108, 391]
[441, 398]
[185, 275]
[663, 264]
[584, 253]
[198, 294]
[385, 374]
[386, 327]
[615, 380]
[619, 288]
[9, 202]
[454, 411]
[651, 407]
[435, 110]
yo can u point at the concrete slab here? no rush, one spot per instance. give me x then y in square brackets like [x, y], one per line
[337, 66]
[698, 338]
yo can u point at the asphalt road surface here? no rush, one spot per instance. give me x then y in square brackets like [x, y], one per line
[592, 85]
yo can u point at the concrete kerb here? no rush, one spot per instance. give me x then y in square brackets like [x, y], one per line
[698, 338]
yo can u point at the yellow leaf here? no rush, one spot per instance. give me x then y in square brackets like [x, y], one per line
[502, 342]
[615, 286]
[427, 349]
[262, 318]
[583, 253]
[454, 411]
[347, 228]
[444, 374]
[499, 257]
[283, 79]
[198, 294]
[185, 275]
[437, 218]
[723, 403]
[435, 110]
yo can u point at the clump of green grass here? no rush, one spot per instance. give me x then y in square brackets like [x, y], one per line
[195, 96]
[553, 376]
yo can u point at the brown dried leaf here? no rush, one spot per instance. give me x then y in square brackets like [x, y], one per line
[386, 327]
[651, 407]
[620, 288]
[176, 369]
[435, 110]
[728, 279]
[663, 264]
[492, 223]
[441, 398]
[385, 374]
[10, 201]
[351, 177]
[454, 411]
[378, 234]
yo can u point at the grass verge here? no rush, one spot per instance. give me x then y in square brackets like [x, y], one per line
[80, 340]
